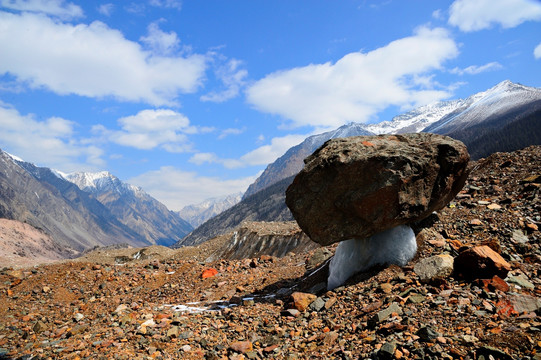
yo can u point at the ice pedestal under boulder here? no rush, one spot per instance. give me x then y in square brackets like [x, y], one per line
[393, 246]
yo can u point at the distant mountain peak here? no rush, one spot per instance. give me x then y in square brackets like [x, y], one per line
[100, 182]
[196, 214]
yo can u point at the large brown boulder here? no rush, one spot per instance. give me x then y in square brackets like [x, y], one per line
[359, 186]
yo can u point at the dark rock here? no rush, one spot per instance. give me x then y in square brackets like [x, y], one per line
[318, 304]
[427, 334]
[481, 262]
[384, 314]
[359, 186]
[387, 351]
[488, 351]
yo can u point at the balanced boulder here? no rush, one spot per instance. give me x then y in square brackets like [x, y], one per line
[359, 186]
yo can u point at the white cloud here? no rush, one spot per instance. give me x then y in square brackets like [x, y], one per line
[159, 41]
[262, 155]
[50, 7]
[231, 131]
[233, 78]
[212, 158]
[149, 129]
[437, 14]
[106, 9]
[51, 142]
[167, 4]
[537, 51]
[477, 69]
[92, 60]
[358, 85]
[266, 154]
[475, 15]
[176, 188]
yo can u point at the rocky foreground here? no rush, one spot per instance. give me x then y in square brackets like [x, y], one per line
[177, 306]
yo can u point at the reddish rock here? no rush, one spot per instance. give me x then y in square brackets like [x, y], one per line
[350, 190]
[496, 283]
[301, 301]
[241, 346]
[209, 273]
[480, 262]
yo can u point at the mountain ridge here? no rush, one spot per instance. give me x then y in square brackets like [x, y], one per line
[133, 207]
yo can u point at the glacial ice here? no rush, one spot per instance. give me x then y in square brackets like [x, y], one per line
[394, 246]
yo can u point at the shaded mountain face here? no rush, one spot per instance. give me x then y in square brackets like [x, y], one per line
[197, 214]
[74, 219]
[506, 117]
[503, 118]
[133, 207]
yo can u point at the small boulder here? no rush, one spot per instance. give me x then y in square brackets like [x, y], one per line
[434, 267]
[207, 273]
[241, 347]
[301, 301]
[480, 262]
[358, 186]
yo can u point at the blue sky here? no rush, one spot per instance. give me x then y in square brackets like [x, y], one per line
[192, 99]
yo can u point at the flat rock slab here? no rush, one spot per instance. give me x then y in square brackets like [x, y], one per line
[358, 186]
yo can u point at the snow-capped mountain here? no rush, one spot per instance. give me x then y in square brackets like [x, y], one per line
[133, 207]
[197, 214]
[480, 107]
[103, 181]
[506, 117]
[417, 119]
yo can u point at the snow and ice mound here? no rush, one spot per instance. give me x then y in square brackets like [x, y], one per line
[393, 246]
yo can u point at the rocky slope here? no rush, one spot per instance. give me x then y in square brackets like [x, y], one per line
[266, 307]
[197, 214]
[23, 245]
[133, 207]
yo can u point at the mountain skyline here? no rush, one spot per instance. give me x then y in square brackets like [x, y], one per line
[191, 101]
[436, 117]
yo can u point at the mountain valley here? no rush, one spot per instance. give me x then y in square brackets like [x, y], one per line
[159, 302]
